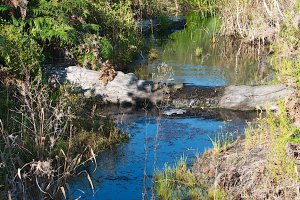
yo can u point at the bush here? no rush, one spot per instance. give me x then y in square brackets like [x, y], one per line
[21, 53]
[87, 32]
[44, 145]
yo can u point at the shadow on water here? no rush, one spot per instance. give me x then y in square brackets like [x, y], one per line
[156, 140]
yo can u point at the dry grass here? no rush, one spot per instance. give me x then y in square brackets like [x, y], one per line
[44, 143]
[36, 155]
[257, 167]
[153, 54]
[255, 21]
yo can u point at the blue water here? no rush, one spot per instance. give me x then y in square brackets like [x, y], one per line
[120, 170]
[198, 75]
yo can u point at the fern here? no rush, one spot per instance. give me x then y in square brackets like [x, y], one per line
[3, 8]
[67, 25]
[47, 28]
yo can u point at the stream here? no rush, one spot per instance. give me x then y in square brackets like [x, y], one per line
[126, 171]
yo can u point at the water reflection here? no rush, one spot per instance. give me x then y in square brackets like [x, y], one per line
[222, 62]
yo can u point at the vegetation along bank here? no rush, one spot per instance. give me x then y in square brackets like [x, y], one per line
[48, 133]
[264, 162]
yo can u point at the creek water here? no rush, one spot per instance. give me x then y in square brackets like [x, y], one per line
[126, 171]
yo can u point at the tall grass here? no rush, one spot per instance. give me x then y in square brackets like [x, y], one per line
[43, 143]
[37, 157]
[275, 131]
[177, 182]
[261, 24]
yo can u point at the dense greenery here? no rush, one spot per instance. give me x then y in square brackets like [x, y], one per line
[86, 32]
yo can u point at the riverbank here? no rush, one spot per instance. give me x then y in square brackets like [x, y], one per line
[262, 164]
[49, 134]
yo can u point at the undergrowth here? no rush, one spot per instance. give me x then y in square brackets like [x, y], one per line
[274, 132]
[42, 138]
[177, 182]
[261, 166]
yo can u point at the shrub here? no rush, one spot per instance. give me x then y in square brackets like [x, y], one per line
[87, 32]
[20, 53]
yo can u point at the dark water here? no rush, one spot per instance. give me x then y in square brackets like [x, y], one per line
[125, 172]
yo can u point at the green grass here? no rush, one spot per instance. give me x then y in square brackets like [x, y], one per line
[273, 133]
[177, 182]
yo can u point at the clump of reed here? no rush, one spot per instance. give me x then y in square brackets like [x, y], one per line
[262, 24]
[177, 182]
[42, 142]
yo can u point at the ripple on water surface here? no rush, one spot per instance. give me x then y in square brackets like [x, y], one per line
[120, 170]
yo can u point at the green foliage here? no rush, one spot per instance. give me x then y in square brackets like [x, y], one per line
[286, 58]
[295, 137]
[178, 182]
[164, 22]
[20, 52]
[92, 51]
[46, 29]
[275, 130]
[91, 32]
[53, 21]
[205, 7]
[121, 29]
[3, 8]
[280, 165]
[217, 194]
[198, 52]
